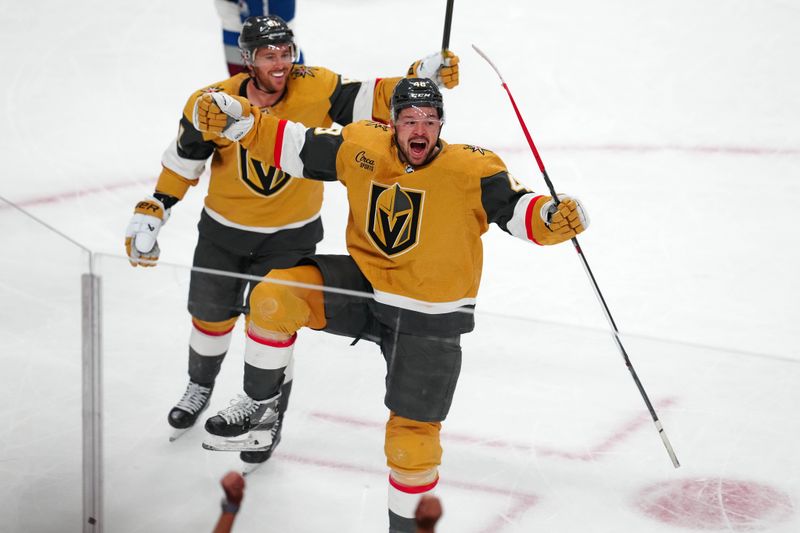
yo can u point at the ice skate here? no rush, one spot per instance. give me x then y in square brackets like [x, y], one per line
[244, 426]
[185, 413]
[252, 460]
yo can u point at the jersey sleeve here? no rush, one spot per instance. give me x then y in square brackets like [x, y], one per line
[299, 151]
[508, 203]
[185, 158]
[353, 100]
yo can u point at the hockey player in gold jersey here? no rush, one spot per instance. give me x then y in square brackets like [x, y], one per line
[256, 216]
[417, 209]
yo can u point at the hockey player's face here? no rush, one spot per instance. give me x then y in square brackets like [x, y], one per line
[417, 130]
[272, 65]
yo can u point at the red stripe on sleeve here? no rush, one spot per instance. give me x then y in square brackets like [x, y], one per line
[409, 489]
[272, 342]
[279, 143]
[529, 219]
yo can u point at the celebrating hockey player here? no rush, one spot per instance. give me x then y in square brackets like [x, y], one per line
[256, 216]
[417, 209]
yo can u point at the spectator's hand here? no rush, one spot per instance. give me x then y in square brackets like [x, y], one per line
[140, 236]
[429, 510]
[222, 115]
[441, 67]
[558, 223]
[233, 485]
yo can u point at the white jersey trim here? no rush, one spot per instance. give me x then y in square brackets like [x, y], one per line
[362, 105]
[258, 229]
[420, 306]
[188, 168]
[518, 225]
[294, 138]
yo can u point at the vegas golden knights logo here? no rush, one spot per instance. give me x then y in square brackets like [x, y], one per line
[394, 218]
[263, 179]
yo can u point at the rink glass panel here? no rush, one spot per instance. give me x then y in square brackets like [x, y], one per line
[41, 376]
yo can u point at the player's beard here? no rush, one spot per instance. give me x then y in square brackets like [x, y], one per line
[266, 84]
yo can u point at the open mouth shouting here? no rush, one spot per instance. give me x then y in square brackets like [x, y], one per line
[418, 148]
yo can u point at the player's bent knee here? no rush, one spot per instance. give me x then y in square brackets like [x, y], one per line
[282, 308]
[413, 450]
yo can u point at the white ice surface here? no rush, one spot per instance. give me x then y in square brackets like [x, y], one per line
[675, 124]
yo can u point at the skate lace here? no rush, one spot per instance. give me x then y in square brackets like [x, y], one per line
[239, 408]
[194, 398]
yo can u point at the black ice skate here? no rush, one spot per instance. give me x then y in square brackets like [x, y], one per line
[185, 413]
[252, 460]
[244, 426]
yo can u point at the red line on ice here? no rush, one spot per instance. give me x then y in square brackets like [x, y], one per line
[638, 148]
[522, 501]
[72, 195]
[605, 446]
[648, 148]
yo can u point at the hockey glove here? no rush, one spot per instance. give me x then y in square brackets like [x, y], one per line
[441, 67]
[140, 237]
[223, 115]
[557, 223]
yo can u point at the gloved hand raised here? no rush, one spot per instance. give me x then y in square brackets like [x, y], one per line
[223, 115]
[557, 223]
[441, 67]
[141, 235]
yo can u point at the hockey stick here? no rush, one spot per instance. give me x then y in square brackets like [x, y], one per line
[588, 270]
[448, 20]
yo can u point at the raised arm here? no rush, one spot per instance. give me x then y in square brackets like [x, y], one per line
[287, 145]
[518, 210]
[353, 100]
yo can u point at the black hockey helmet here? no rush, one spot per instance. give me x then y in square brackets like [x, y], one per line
[416, 92]
[264, 30]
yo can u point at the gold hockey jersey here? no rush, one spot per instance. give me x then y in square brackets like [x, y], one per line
[246, 192]
[415, 233]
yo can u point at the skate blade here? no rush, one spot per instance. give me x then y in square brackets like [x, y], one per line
[178, 433]
[254, 441]
[249, 468]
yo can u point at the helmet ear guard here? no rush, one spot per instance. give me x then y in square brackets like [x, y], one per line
[262, 31]
[416, 92]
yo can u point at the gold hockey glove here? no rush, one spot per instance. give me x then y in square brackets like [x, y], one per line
[441, 67]
[552, 224]
[140, 236]
[222, 115]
